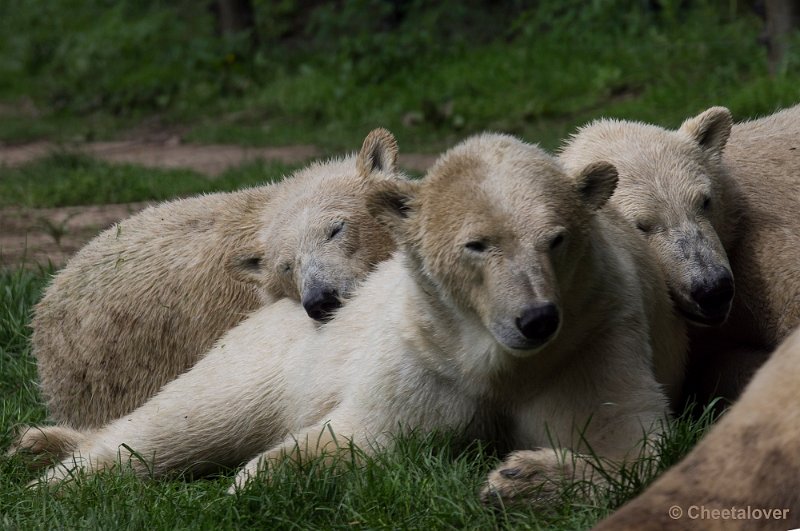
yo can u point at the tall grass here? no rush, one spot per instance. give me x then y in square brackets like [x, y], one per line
[19, 290]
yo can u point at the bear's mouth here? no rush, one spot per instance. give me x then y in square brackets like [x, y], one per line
[695, 314]
[703, 320]
[517, 345]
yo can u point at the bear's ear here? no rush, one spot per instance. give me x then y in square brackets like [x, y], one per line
[391, 203]
[378, 153]
[596, 183]
[710, 129]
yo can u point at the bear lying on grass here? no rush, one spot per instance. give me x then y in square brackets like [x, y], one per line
[144, 300]
[714, 209]
[513, 295]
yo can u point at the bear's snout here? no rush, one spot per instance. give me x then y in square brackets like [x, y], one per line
[539, 322]
[320, 303]
[714, 297]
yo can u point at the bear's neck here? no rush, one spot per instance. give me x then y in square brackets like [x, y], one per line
[447, 341]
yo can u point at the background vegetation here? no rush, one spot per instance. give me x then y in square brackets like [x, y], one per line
[325, 73]
[64, 178]
[433, 72]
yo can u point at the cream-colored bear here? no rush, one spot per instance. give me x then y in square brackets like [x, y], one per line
[145, 299]
[714, 213]
[746, 471]
[513, 296]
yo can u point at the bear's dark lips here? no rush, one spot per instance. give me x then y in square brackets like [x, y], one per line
[703, 320]
[526, 348]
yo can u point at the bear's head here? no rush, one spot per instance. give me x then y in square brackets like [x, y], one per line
[317, 238]
[496, 231]
[672, 188]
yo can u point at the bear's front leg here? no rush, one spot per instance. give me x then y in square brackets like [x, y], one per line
[319, 441]
[537, 476]
[624, 414]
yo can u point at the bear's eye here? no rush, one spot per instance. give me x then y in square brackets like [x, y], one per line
[251, 263]
[476, 246]
[286, 268]
[556, 242]
[336, 228]
[706, 203]
[644, 226]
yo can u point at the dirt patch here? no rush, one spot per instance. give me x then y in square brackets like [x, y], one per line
[38, 235]
[210, 160]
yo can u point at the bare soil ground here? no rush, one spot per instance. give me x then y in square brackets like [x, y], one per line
[36, 236]
[210, 160]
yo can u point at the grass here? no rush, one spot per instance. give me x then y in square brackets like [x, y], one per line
[88, 70]
[538, 72]
[425, 482]
[19, 126]
[63, 179]
[19, 290]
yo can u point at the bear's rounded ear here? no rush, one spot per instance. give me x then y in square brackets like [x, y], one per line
[710, 129]
[378, 153]
[391, 203]
[596, 183]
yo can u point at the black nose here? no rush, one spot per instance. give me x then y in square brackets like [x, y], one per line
[714, 297]
[538, 322]
[321, 303]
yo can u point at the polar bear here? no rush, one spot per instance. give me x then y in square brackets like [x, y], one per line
[513, 296]
[716, 202]
[146, 298]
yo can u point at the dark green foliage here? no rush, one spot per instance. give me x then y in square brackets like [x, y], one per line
[326, 72]
[120, 57]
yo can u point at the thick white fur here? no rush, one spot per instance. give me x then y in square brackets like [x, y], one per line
[144, 300]
[750, 226]
[407, 353]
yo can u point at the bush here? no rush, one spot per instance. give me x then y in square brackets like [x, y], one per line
[121, 57]
[327, 72]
